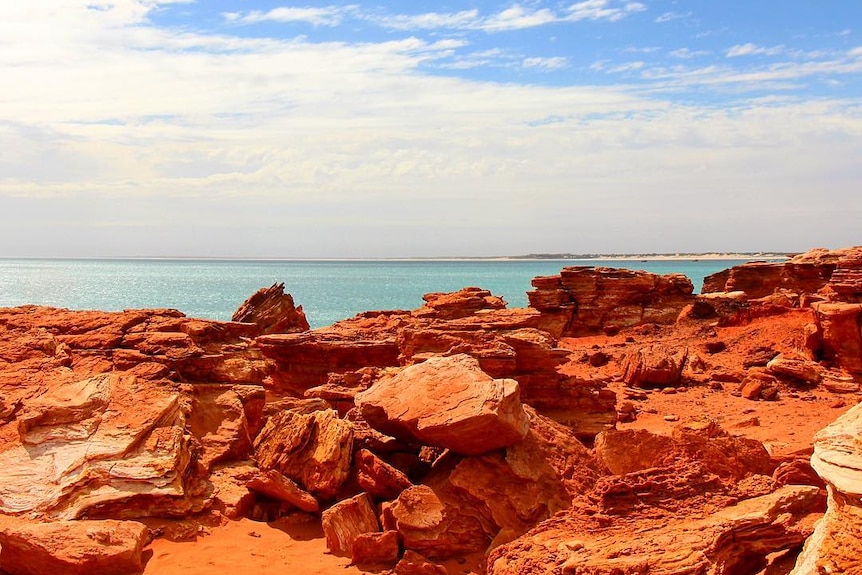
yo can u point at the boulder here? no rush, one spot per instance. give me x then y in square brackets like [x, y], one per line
[462, 303]
[345, 521]
[379, 479]
[273, 311]
[840, 328]
[796, 370]
[447, 402]
[313, 449]
[655, 366]
[415, 564]
[72, 547]
[111, 442]
[376, 548]
[275, 485]
[836, 545]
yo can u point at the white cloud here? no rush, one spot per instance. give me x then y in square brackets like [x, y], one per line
[686, 54]
[750, 49]
[429, 20]
[548, 64]
[328, 16]
[625, 67]
[670, 16]
[601, 10]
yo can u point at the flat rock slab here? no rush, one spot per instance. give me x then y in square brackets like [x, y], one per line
[72, 547]
[447, 402]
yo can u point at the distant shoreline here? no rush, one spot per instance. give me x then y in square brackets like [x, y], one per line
[713, 256]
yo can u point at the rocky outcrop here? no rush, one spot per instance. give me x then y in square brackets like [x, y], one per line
[836, 545]
[72, 547]
[339, 361]
[273, 311]
[468, 504]
[585, 300]
[836, 274]
[736, 539]
[109, 442]
[446, 402]
[839, 326]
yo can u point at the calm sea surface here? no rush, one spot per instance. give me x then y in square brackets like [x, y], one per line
[327, 290]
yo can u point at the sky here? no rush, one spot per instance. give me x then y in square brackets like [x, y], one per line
[252, 128]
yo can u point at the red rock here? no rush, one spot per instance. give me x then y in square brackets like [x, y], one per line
[838, 324]
[230, 496]
[836, 544]
[462, 303]
[415, 564]
[275, 485]
[379, 479]
[585, 299]
[107, 443]
[273, 311]
[733, 540]
[655, 367]
[376, 548]
[72, 547]
[226, 419]
[474, 502]
[798, 370]
[347, 519]
[447, 402]
[312, 449]
[751, 388]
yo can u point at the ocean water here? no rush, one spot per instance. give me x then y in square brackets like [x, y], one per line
[327, 290]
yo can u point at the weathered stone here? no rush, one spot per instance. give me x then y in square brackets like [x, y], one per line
[72, 547]
[347, 519]
[226, 419]
[108, 441]
[273, 311]
[836, 545]
[376, 548]
[313, 449]
[796, 370]
[379, 479]
[733, 540]
[840, 326]
[415, 564]
[447, 402]
[229, 494]
[275, 485]
[585, 300]
[655, 367]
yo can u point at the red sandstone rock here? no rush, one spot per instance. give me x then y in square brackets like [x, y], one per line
[376, 548]
[273, 484]
[226, 419]
[347, 519]
[584, 300]
[462, 303]
[379, 479]
[110, 441]
[734, 540]
[798, 370]
[273, 311]
[313, 449]
[655, 366]
[468, 504]
[836, 545]
[447, 402]
[72, 547]
[415, 564]
[838, 325]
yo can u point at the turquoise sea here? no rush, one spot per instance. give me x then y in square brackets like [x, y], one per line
[327, 290]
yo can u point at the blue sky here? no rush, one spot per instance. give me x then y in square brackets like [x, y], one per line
[322, 129]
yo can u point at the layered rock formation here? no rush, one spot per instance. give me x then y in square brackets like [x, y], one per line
[836, 545]
[585, 300]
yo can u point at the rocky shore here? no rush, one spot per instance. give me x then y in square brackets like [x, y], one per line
[620, 425]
